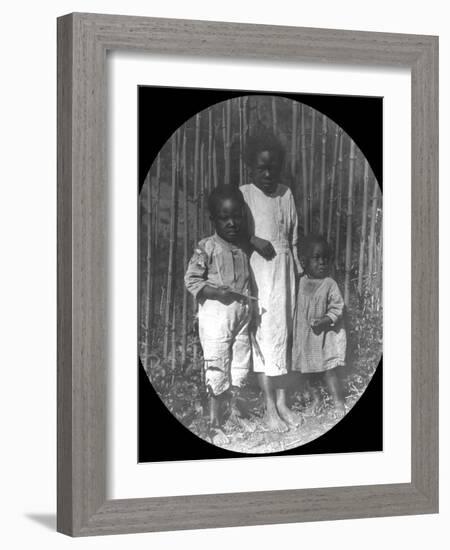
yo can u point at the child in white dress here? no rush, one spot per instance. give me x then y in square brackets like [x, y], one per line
[272, 222]
[319, 341]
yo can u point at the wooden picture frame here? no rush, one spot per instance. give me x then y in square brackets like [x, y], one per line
[83, 41]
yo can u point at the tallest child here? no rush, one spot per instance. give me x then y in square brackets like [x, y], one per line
[272, 219]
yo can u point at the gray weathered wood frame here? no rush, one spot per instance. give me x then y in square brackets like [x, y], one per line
[83, 40]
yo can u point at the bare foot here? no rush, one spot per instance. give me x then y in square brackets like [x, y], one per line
[237, 418]
[247, 425]
[316, 402]
[292, 419]
[339, 409]
[218, 437]
[275, 423]
[242, 423]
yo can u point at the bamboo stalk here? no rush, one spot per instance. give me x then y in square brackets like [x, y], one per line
[215, 177]
[348, 247]
[228, 141]
[156, 201]
[274, 115]
[173, 326]
[198, 209]
[172, 246]
[197, 187]
[224, 142]
[293, 139]
[363, 228]
[258, 112]
[337, 139]
[251, 114]
[375, 275]
[203, 188]
[241, 140]
[147, 313]
[224, 131]
[245, 134]
[373, 219]
[173, 353]
[311, 169]
[155, 217]
[374, 292]
[304, 172]
[185, 252]
[213, 181]
[339, 204]
[162, 302]
[208, 185]
[323, 175]
[210, 148]
[379, 273]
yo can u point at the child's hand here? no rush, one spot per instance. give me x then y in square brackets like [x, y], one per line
[223, 294]
[318, 325]
[263, 247]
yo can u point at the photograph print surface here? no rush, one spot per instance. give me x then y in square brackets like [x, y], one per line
[260, 274]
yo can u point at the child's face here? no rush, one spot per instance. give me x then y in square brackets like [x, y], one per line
[266, 171]
[228, 219]
[317, 264]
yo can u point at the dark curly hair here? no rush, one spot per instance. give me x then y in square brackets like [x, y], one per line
[222, 192]
[307, 242]
[263, 140]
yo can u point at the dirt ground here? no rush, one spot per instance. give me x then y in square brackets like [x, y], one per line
[317, 417]
[182, 390]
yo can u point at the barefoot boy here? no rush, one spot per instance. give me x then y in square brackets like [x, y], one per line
[218, 277]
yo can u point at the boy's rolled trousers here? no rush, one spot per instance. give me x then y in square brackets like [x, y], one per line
[223, 325]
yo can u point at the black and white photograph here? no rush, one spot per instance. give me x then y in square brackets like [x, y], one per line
[260, 277]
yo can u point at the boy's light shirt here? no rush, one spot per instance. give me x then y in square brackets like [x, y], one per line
[220, 263]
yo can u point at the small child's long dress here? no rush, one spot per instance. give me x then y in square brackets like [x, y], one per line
[318, 352]
[273, 218]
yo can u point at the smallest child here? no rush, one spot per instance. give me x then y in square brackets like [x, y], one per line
[218, 277]
[319, 338]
